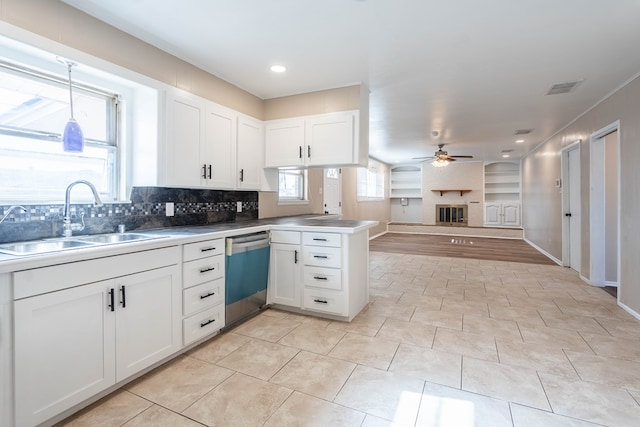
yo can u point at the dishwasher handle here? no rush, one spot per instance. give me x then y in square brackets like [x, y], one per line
[235, 245]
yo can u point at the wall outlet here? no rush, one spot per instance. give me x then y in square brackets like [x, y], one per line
[170, 209]
[239, 207]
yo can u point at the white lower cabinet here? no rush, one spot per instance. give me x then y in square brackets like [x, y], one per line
[502, 214]
[80, 338]
[330, 277]
[285, 269]
[203, 276]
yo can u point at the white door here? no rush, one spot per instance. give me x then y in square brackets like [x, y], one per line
[184, 132]
[64, 350]
[148, 319]
[492, 214]
[250, 153]
[284, 275]
[573, 211]
[218, 150]
[332, 191]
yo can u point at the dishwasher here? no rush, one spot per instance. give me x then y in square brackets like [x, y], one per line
[247, 270]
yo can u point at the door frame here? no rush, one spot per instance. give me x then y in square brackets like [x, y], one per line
[564, 184]
[597, 264]
[325, 192]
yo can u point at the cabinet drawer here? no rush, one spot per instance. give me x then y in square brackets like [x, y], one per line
[326, 301]
[323, 277]
[202, 296]
[292, 237]
[202, 270]
[202, 324]
[321, 239]
[198, 250]
[322, 257]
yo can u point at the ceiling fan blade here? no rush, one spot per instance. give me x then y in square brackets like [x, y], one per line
[463, 157]
[422, 158]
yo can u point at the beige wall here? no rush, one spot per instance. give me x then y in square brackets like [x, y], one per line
[542, 207]
[373, 211]
[455, 176]
[268, 201]
[64, 24]
[324, 101]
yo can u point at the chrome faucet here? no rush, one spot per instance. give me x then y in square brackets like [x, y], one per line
[22, 208]
[67, 226]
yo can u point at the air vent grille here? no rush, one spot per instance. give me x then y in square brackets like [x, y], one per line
[523, 131]
[560, 88]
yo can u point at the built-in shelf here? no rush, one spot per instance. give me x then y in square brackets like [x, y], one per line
[502, 194]
[406, 181]
[448, 191]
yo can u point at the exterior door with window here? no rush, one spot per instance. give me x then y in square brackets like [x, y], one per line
[332, 191]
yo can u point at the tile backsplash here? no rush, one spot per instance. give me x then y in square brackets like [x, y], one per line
[147, 210]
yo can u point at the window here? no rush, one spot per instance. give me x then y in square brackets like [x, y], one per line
[371, 182]
[292, 185]
[34, 108]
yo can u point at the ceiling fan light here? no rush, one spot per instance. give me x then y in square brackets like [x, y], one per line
[440, 163]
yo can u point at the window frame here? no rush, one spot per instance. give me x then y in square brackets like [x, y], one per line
[303, 193]
[371, 182]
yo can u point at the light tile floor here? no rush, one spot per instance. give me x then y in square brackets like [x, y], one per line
[443, 342]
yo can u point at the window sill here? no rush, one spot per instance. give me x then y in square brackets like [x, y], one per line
[292, 202]
[366, 200]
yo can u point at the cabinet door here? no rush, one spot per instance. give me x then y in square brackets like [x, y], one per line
[492, 214]
[148, 319]
[250, 154]
[218, 149]
[284, 143]
[284, 275]
[330, 139]
[511, 214]
[184, 133]
[64, 350]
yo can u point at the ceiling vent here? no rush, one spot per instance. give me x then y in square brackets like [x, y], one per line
[560, 88]
[523, 131]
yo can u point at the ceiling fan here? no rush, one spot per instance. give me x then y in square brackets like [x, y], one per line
[441, 157]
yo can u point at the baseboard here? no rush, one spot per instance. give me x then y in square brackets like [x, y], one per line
[587, 281]
[629, 309]
[378, 235]
[543, 252]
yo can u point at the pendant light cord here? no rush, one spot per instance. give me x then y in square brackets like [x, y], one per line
[69, 65]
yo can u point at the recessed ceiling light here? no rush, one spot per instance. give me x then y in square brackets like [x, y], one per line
[505, 155]
[519, 141]
[278, 68]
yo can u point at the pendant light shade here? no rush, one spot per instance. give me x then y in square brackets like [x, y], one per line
[72, 137]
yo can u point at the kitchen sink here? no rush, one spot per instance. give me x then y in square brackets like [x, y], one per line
[115, 238]
[55, 245]
[31, 248]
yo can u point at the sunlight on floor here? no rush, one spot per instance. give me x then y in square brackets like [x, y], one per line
[437, 411]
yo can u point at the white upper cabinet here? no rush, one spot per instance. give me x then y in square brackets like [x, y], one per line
[250, 151]
[184, 134]
[218, 150]
[331, 139]
[285, 143]
[210, 146]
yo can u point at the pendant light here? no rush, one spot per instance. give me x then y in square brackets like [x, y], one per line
[72, 137]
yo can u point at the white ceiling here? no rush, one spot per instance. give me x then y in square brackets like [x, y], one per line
[475, 71]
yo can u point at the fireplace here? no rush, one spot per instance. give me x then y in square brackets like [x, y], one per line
[452, 215]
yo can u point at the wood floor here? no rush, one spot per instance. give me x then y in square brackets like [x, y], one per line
[510, 250]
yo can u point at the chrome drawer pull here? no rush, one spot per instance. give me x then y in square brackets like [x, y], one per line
[320, 278]
[204, 270]
[203, 324]
[320, 301]
[213, 248]
[321, 256]
[210, 294]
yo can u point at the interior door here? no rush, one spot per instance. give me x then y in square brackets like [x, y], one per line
[332, 191]
[573, 212]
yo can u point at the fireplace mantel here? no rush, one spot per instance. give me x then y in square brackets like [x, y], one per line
[447, 191]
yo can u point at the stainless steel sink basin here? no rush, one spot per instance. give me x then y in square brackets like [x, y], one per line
[55, 245]
[115, 238]
[44, 246]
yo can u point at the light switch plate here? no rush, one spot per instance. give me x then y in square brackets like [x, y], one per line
[170, 209]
